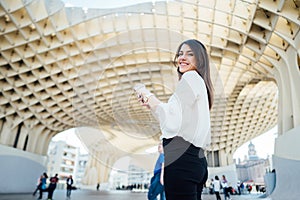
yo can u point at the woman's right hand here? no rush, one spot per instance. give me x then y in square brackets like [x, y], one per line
[141, 92]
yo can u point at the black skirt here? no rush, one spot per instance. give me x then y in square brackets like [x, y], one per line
[185, 170]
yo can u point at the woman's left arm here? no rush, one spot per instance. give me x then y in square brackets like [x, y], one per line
[153, 102]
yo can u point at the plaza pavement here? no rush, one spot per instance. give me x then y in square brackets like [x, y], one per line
[113, 195]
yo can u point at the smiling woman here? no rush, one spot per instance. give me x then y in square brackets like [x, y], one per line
[185, 122]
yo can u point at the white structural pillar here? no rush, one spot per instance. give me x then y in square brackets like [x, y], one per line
[98, 168]
[286, 159]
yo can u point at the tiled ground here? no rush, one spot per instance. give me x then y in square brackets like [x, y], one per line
[111, 195]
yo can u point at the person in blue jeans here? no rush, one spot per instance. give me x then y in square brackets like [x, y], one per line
[69, 183]
[157, 181]
[224, 184]
[43, 184]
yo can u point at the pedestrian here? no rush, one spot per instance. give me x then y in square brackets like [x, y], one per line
[52, 186]
[217, 187]
[211, 186]
[43, 185]
[225, 188]
[238, 187]
[242, 186]
[249, 188]
[257, 187]
[69, 183]
[185, 122]
[157, 183]
[37, 185]
[98, 186]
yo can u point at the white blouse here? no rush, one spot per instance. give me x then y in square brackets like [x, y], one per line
[187, 112]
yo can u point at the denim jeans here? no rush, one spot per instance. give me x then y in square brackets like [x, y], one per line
[156, 188]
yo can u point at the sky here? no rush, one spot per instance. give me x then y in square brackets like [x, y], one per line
[264, 145]
[102, 3]
[70, 138]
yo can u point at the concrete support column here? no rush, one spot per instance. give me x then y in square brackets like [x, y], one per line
[49, 136]
[294, 78]
[284, 99]
[105, 167]
[34, 133]
[42, 142]
[22, 137]
[286, 159]
[98, 168]
[225, 157]
[2, 121]
[8, 132]
[287, 76]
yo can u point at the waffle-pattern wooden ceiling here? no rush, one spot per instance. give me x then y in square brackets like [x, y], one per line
[65, 67]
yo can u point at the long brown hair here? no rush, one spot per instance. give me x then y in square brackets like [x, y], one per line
[202, 65]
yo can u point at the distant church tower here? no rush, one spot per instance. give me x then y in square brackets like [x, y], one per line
[252, 168]
[252, 152]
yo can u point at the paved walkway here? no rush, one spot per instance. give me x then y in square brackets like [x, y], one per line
[112, 195]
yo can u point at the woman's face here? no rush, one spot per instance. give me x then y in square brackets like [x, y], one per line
[186, 59]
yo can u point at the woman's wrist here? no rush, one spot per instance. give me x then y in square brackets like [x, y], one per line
[146, 97]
